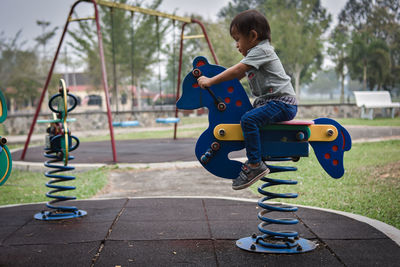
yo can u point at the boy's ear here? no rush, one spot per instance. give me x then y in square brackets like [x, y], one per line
[253, 35]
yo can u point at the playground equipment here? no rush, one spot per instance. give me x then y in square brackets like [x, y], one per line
[126, 124]
[132, 9]
[5, 155]
[286, 141]
[59, 142]
[168, 120]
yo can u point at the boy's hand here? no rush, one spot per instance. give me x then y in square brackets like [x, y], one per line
[204, 82]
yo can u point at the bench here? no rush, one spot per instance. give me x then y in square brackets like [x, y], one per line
[370, 100]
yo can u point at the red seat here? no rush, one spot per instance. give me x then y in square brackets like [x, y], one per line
[296, 122]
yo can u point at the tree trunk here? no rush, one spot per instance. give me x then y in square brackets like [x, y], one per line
[342, 88]
[297, 81]
[139, 95]
[365, 76]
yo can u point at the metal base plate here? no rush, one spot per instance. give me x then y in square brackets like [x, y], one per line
[249, 244]
[54, 215]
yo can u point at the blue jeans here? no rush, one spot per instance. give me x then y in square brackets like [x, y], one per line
[253, 120]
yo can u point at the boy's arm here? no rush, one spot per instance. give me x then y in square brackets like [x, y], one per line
[237, 71]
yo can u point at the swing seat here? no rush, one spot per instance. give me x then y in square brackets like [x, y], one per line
[126, 123]
[168, 120]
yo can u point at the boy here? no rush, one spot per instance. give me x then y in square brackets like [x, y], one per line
[275, 98]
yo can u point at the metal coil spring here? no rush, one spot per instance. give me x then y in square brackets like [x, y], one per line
[58, 212]
[57, 178]
[276, 241]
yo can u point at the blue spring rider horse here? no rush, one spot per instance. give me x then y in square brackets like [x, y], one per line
[290, 140]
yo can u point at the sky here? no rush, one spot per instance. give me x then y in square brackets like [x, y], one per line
[22, 15]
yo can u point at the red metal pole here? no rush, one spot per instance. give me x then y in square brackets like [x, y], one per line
[180, 64]
[208, 40]
[104, 81]
[47, 83]
[179, 79]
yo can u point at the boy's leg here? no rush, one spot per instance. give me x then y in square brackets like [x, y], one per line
[251, 121]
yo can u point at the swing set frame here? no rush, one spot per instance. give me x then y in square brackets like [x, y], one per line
[133, 9]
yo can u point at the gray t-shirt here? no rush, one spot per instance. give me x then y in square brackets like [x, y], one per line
[267, 77]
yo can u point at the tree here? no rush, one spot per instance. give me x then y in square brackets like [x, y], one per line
[297, 28]
[237, 6]
[45, 37]
[18, 71]
[296, 31]
[338, 51]
[118, 35]
[324, 82]
[374, 27]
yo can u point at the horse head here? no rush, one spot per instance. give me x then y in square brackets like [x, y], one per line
[226, 103]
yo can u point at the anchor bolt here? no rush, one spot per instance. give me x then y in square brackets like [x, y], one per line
[215, 146]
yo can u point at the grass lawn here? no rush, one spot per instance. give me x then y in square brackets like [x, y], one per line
[370, 186]
[375, 122]
[27, 187]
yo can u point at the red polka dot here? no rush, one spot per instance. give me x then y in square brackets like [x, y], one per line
[195, 85]
[238, 103]
[335, 148]
[327, 156]
[227, 100]
[230, 89]
[335, 162]
[200, 63]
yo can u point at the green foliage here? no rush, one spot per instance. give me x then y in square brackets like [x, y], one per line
[339, 54]
[374, 27]
[130, 44]
[236, 6]
[296, 31]
[324, 82]
[28, 187]
[18, 71]
[297, 28]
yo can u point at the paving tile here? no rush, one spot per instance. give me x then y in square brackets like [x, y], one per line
[230, 255]
[158, 253]
[18, 215]
[59, 232]
[7, 231]
[59, 255]
[160, 213]
[160, 230]
[167, 203]
[233, 212]
[334, 226]
[380, 252]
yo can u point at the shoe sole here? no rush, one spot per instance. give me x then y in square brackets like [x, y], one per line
[258, 177]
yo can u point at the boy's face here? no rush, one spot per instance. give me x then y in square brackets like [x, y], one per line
[243, 42]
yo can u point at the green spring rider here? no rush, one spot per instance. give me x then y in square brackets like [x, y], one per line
[5, 155]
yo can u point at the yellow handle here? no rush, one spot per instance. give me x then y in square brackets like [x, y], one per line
[233, 132]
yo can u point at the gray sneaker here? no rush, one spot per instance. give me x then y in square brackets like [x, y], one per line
[249, 176]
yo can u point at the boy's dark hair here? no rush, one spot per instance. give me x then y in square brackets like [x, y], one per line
[249, 20]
